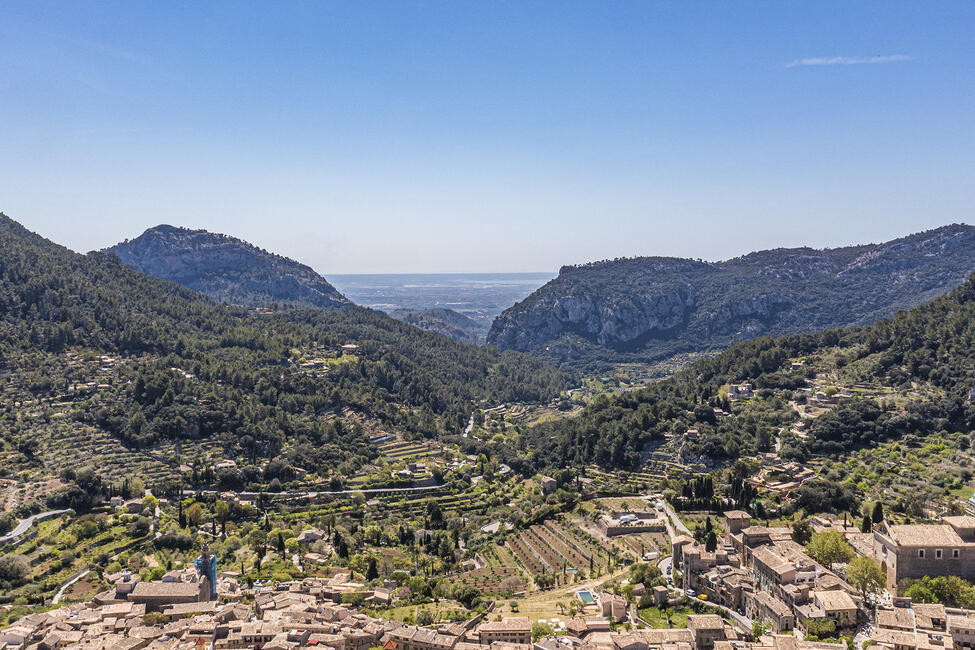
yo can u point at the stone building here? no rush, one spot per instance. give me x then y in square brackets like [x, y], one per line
[706, 629]
[762, 606]
[156, 595]
[918, 550]
[516, 629]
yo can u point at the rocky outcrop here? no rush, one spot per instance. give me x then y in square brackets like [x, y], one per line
[227, 269]
[609, 320]
[647, 309]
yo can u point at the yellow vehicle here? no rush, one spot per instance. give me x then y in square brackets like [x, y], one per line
[702, 596]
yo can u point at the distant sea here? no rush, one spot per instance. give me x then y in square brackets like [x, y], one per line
[481, 296]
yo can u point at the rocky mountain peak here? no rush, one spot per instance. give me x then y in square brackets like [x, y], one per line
[226, 268]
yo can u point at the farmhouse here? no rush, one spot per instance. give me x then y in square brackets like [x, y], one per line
[740, 391]
[311, 535]
[548, 484]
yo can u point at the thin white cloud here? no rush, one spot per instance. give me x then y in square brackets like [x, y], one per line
[849, 60]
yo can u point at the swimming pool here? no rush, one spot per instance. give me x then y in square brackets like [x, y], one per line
[586, 597]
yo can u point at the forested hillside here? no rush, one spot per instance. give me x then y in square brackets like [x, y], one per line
[86, 341]
[445, 322]
[912, 373]
[227, 269]
[649, 309]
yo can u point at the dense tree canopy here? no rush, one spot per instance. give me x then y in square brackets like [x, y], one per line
[190, 368]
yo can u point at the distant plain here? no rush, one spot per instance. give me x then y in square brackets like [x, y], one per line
[480, 296]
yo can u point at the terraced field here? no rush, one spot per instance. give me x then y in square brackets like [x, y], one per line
[71, 445]
[642, 543]
[498, 555]
[522, 552]
[489, 579]
[584, 543]
[402, 450]
[630, 504]
[572, 555]
[553, 546]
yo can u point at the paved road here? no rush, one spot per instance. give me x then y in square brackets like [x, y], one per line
[743, 621]
[324, 493]
[665, 564]
[25, 524]
[78, 576]
[681, 528]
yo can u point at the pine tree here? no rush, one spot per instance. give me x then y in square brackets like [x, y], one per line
[711, 542]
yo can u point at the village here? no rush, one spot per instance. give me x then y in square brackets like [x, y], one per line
[758, 588]
[589, 558]
[566, 582]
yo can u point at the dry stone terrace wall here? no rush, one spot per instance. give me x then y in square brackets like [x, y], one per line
[489, 579]
[528, 559]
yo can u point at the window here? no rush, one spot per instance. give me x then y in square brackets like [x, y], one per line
[920, 552]
[954, 553]
[937, 554]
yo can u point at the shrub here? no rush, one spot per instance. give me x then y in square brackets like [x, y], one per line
[14, 568]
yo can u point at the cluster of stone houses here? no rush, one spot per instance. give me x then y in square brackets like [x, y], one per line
[923, 626]
[303, 614]
[769, 478]
[763, 573]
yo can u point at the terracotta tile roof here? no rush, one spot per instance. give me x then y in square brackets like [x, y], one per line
[704, 622]
[165, 590]
[924, 535]
[833, 601]
[511, 624]
[899, 618]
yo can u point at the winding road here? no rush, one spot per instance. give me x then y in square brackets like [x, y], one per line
[75, 578]
[25, 525]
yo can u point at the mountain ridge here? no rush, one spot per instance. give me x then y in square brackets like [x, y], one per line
[138, 362]
[226, 268]
[909, 374]
[650, 308]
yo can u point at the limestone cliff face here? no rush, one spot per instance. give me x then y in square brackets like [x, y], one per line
[606, 320]
[227, 269]
[646, 309]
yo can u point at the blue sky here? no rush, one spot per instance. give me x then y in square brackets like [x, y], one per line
[488, 136]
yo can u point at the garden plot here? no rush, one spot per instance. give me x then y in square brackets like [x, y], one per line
[494, 580]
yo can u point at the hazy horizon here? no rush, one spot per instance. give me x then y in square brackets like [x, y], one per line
[468, 137]
[494, 273]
